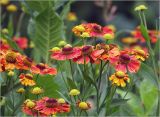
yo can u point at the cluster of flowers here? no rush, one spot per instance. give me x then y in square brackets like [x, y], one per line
[93, 30]
[11, 59]
[49, 106]
[128, 59]
[45, 107]
[137, 37]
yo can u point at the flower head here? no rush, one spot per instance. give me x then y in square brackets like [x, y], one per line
[83, 105]
[88, 54]
[109, 51]
[125, 61]
[108, 36]
[61, 101]
[37, 90]
[43, 69]
[50, 106]
[62, 43]
[140, 8]
[22, 42]
[11, 73]
[23, 62]
[4, 2]
[9, 59]
[12, 8]
[119, 78]
[71, 16]
[139, 53]
[74, 92]
[66, 53]
[28, 108]
[27, 79]
[129, 40]
[5, 31]
[20, 90]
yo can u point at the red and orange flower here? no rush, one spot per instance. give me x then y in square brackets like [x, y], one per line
[124, 61]
[28, 108]
[88, 54]
[9, 60]
[50, 106]
[66, 53]
[119, 78]
[22, 42]
[43, 69]
[26, 79]
[110, 51]
[153, 34]
[92, 30]
[24, 62]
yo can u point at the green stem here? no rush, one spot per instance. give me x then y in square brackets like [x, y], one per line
[71, 70]
[19, 23]
[144, 19]
[140, 17]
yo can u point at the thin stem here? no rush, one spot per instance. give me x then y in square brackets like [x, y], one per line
[144, 18]
[71, 69]
[140, 17]
[20, 23]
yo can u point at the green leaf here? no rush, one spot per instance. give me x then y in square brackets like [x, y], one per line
[38, 6]
[71, 83]
[48, 84]
[147, 72]
[156, 47]
[149, 96]
[118, 102]
[49, 30]
[145, 33]
[134, 102]
[88, 79]
[66, 9]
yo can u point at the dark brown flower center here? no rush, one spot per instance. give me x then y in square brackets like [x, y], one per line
[86, 50]
[27, 62]
[29, 76]
[67, 50]
[124, 58]
[50, 103]
[11, 57]
[97, 29]
[41, 66]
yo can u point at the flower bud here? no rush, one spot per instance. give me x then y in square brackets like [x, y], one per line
[11, 73]
[30, 104]
[54, 49]
[37, 90]
[4, 2]
[83, 105]
[140, 8]
[108, 36]
[5, 31]
[61, 101]
[62, 43]
[74, 92]
[31, 45]
[20, 90]
[11, 8]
